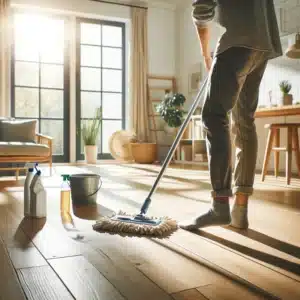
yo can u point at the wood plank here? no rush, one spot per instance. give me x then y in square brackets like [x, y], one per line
[249, 271]
[229, 291]
[131, 283]
[273, 256]
[157, 262]
[10, 287]
[41, 283]
[84, 280]
[192, 294]
[26, 258]
[48, 238]
[44, 233]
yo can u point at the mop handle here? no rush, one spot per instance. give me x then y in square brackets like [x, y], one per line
[173, 148]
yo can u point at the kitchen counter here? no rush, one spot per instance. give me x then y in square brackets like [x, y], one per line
[279, 111]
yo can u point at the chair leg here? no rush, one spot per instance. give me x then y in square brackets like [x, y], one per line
[289, 156]
[17, 174]
[296, 148]
[267, 153]
[50, 165]
[276, 153]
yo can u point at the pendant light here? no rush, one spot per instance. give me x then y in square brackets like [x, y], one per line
[293, 51]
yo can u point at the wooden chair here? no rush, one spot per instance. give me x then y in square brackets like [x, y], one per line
[291, 145]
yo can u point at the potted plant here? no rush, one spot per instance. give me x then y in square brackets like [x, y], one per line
[90, 133]
[285, 87]
[172, 112]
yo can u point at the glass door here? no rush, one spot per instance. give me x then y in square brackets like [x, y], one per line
[40, 85]
[100, 79]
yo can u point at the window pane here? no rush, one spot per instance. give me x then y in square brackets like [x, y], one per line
[26, 37]
[90, 56]
[52, 76]
[54, 54]
[112, 106]
[90, 34]
[89, 103]
[52, 104]
[112, 80]
[27, 102]
[109, 127]
[24, 50]
[26, 74]
[112, 58]
[90, 79]
[111, 36]
[55, 130]
[52, 48]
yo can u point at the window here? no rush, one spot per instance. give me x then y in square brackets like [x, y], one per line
[40, 85]
[100, 79]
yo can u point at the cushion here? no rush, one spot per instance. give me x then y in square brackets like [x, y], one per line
[23, 149]
[18, 130]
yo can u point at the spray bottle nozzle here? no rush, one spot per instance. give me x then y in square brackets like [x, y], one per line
[65, 177]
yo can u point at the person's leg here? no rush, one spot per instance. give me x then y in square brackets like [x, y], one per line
[246, 143]
[226, 79]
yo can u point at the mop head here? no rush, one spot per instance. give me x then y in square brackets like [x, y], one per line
[126, 224]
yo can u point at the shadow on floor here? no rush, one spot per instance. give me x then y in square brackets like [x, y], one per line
[146, 187]
[256, 254]
[269, 241]
[289, 197]
[215, 268]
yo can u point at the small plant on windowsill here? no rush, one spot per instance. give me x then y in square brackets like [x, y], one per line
[172, 112]
[90, 133]
[285, 87]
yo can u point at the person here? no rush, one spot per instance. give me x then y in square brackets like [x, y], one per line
[250, 39]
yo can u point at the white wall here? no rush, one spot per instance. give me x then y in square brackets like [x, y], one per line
[161, 38]
[189, 60]
[161, 41]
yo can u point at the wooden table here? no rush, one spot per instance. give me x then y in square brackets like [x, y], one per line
[279, 111]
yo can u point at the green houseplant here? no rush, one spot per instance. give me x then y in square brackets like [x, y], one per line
[171, 110]
[90, 132]
[285, 87]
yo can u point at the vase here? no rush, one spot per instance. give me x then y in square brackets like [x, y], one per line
[287, 99]
[91, 153]
[169, 130]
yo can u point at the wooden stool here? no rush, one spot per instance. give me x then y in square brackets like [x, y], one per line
[292, 145]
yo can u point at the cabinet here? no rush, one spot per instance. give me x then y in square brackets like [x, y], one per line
[192, 146]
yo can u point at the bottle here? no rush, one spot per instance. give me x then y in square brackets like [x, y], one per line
[38, 197]
[65, 195]
[29, 177]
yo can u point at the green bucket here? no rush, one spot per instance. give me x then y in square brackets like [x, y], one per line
[85, 188]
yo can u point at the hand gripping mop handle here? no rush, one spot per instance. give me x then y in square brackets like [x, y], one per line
[173, 148]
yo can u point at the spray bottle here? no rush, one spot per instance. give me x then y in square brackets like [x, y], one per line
[38, 197]
[65, 194]
[29, 176]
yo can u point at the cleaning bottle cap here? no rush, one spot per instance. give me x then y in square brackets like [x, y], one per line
[65, 177]
[30, 170]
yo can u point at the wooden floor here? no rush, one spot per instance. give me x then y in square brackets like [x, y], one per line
[63, 258]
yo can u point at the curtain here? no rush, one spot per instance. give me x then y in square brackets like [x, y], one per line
[139, 71]
[4, 57]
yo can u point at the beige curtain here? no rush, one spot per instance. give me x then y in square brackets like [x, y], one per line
[4, 57]
[139, 71]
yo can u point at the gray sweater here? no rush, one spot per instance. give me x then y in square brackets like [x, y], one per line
[247, 23]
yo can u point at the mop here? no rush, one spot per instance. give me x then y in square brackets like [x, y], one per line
[140, 224]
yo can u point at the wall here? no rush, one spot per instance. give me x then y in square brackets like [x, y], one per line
[189, 60]
[161, 37]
